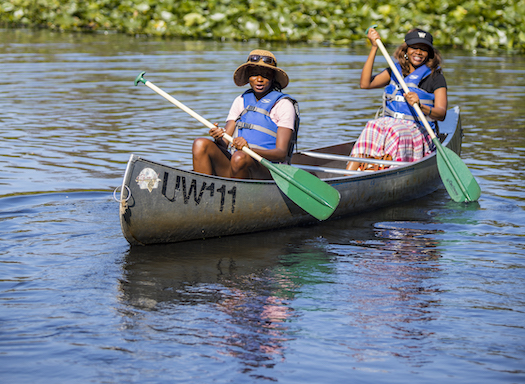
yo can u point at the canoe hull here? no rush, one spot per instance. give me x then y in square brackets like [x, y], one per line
[186, 205]
[162, 204]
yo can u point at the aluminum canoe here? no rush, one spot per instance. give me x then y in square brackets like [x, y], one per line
[163, 204]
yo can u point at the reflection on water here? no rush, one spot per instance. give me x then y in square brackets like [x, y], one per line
[253, 296]
[249, 292]
[376, 294]
[397, 277]
[425, 291]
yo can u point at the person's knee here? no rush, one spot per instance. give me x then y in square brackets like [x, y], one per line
[239, 161]
[200, 146]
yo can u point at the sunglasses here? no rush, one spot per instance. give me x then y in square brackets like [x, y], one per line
[265, 59]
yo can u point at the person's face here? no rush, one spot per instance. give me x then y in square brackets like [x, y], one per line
[418, 54]
[261, 80]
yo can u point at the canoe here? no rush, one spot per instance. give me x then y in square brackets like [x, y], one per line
[163, 204]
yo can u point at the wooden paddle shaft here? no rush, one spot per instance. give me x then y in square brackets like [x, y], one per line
[405, 88]
[194, 114]
[318, 199]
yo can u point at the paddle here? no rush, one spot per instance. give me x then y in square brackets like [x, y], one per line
[313, 195]
[457, 178]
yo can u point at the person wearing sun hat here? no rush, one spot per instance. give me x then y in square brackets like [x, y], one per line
[398, 134]
[262, 118]
[260, 58]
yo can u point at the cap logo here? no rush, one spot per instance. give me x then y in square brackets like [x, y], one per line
[422, 34]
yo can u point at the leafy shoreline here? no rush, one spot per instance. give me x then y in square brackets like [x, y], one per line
[476, 24]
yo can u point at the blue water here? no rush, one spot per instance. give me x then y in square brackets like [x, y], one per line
[427, 291]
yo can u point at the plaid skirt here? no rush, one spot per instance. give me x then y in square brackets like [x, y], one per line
[404, 140]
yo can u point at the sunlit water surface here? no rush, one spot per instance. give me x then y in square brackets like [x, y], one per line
[428, 291]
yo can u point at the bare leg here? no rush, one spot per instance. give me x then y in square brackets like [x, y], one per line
[210, 159]
[244, 166]
[353, 165]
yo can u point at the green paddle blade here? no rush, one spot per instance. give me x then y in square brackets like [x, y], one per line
[457, 178]
[307, 191]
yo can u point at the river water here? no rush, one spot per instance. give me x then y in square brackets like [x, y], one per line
[426, 291]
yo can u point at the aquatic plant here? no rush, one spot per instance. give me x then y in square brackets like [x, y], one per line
[471, 24]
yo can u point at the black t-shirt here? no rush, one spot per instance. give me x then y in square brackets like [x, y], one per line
[429, 83]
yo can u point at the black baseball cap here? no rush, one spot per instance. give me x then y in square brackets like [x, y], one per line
[418, 36]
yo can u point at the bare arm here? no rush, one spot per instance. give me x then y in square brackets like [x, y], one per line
[367, 80]
[439, 111]
[217, 132]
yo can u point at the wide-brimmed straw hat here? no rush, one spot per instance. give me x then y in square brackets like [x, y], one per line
[260, 58]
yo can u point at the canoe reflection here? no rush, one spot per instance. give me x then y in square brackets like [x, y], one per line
[241, 287]
[249, 296]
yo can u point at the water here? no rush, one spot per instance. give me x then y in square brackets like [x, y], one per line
[421, 292]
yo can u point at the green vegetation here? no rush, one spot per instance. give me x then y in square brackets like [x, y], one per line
[469, 24]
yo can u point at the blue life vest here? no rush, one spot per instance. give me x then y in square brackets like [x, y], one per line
[394, 102]
[255, 124]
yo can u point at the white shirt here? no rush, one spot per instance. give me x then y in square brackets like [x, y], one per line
[282, 114]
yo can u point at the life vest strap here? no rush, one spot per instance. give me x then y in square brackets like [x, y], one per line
[411, 85]
[253, 108]
[401, 98]
[399, 115]
[242, 125]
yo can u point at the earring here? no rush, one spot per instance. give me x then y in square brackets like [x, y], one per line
[406, 57]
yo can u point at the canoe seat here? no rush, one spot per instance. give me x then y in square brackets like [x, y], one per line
[375, 167]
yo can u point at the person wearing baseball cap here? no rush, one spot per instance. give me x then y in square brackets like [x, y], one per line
[418, 36]
[398, 134]
[262, 118]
